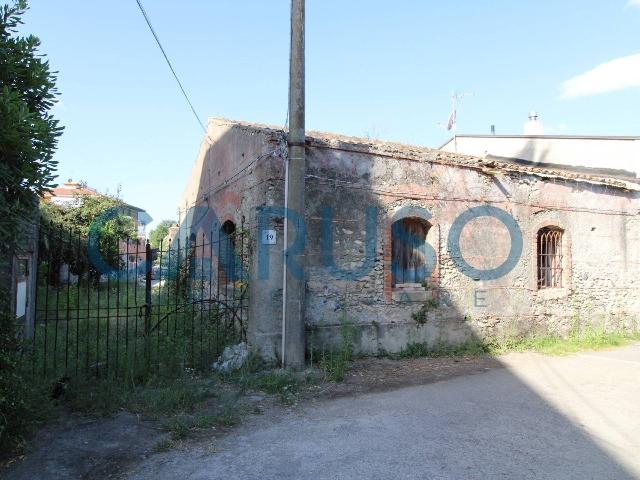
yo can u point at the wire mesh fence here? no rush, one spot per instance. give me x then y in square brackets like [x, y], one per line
[121, 307]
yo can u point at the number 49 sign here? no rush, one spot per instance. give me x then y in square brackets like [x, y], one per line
[268, 237]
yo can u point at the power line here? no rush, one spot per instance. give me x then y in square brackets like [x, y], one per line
[175, 75]
[234, 177]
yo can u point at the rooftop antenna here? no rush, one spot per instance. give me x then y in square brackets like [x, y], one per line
[533, 126]
[453, 116]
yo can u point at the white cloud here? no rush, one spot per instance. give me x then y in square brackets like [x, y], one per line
[618, 74]
[633, 3]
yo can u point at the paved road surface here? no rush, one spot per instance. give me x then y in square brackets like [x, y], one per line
[539, 417]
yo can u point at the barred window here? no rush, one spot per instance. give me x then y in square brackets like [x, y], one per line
[549, 257]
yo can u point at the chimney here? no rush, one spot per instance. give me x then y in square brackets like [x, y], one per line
[493, 129]
[533, 126]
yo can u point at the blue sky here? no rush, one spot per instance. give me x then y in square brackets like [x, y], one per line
[379, 68]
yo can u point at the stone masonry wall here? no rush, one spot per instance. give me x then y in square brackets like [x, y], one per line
[601, 245]
[346, 181]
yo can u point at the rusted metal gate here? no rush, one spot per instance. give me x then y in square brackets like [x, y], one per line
[117, 307]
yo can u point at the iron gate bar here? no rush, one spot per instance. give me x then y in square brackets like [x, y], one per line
[183, 292]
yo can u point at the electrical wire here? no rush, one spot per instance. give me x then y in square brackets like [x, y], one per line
[235, 176]
[232, 179]
[336, 183]
[175, 75]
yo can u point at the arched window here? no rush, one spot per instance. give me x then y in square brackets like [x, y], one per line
[408, 260]
[226, 252]
[549, 244]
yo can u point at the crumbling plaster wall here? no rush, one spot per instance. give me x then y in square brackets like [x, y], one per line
[601, 243]
[238, 172]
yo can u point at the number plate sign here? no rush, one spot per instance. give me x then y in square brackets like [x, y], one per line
[268, 237]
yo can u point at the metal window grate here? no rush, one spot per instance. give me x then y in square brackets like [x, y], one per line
[549, 258]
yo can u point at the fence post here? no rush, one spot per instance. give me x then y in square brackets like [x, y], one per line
[147, 305]
[147, 290]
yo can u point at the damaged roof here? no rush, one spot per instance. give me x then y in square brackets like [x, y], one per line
[488, 165]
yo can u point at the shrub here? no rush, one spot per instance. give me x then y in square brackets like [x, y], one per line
[24, 402]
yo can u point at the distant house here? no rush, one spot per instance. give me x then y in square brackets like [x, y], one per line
[132, 252]
[69, 194]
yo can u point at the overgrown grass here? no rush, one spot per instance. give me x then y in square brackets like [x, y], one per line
[256, 374]
[156, 398]
[577, 340]
[97, 350]
[115, 341]
[588, 339]
[280, 382]
[86, 329]
[183, 425]
[336, 361]
[167, 389]
[99, 361]
[183, 406]
[416, 350]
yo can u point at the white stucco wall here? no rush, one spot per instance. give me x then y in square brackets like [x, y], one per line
[596, 152]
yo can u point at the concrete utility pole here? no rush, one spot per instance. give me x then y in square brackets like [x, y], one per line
[293, 332]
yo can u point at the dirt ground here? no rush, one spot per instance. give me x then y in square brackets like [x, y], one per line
[369, 375]
[80, 447]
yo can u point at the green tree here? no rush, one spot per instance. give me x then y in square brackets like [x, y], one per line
[157, 234]
[84, 214]
[28, 139]
[66, 229]
[28, 132]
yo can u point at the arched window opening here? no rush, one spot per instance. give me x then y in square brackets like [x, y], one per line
[226, 253]
[549, 244]
[409, 259]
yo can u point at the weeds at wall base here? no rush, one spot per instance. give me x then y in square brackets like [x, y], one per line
[575, 341]
[335, 362]
[257, 374]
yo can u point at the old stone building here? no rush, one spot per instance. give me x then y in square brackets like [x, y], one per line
[419, 245]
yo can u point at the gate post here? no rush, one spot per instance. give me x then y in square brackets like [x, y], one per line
[147, 304]
[147, 290]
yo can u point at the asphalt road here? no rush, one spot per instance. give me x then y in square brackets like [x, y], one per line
[539, 417]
